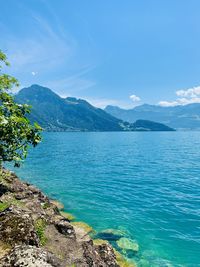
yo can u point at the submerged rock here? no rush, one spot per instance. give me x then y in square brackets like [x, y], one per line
[128, 244]
[119, 232]
[111, 234]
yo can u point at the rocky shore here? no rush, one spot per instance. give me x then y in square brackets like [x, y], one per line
[35, 232]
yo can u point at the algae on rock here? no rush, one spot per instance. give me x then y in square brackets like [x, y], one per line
[67, 215]
[127, 244]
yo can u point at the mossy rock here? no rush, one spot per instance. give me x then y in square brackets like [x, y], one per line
[8, 201]
[4, 206]
[58, 204]
[86, 227]
[4, 249]
[20, 225]
[128, 244]
[99, 242]
[46, 205]
[122, 262]
[67, 215]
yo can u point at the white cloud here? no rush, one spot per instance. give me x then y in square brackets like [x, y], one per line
[33, 73]
[191, 92]
[185, 97]
[168, 103]
[135, 98]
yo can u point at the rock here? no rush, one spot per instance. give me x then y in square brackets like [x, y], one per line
[58, 204]
[98, 242]
[122, 261]
[65, 228]
[17, 227]
[34, 232]
[118, 232]
[3, 189]
[67, 215]
[102, 255]
[110, 234]
[127, 244]
[84, 226]
[34, 189]
[107, 255]
[31, 257]
[81, 234]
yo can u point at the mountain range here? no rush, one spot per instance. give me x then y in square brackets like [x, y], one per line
[55, 113]
[180, 117]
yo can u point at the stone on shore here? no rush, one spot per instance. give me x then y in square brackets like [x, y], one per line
[34, 233]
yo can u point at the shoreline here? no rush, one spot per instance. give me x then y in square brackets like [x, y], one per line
[34, 225]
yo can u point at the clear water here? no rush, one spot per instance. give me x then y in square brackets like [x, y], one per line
[147, 183]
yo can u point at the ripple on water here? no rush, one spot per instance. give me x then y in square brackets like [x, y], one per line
[146, 182]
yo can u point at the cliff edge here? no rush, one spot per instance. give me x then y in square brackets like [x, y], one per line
[33, 231]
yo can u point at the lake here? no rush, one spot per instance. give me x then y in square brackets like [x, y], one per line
[145, 183]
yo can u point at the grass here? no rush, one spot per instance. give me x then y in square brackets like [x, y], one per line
[12, 201]
[40, 226]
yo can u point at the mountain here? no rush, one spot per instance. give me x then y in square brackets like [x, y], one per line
[185, 117]
[145, 125]
[54, 113]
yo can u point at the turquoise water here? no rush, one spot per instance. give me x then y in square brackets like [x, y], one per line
[146, 183]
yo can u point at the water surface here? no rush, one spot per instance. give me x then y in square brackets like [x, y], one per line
[146, 183]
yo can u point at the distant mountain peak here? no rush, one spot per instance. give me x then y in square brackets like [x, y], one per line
[35, 88]
[181, 117]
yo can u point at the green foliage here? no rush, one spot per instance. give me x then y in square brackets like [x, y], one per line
[40, 226]
[16, 131]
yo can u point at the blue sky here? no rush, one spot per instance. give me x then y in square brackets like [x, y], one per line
[106, 51]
